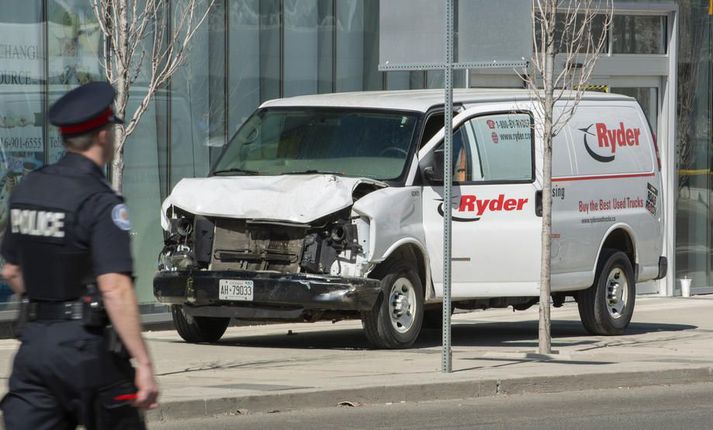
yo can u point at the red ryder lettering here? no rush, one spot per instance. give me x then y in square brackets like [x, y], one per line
[621, 136]
[470, 203]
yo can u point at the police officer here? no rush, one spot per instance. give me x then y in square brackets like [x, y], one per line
[68, 234]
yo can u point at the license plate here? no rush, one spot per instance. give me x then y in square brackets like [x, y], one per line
[231, 289]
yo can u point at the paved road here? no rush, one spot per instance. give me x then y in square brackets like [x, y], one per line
[650, 408]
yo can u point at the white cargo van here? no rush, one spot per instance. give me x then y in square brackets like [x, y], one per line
[331, 207]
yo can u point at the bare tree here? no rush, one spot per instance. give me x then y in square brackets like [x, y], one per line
[145, 40]
[571, 34]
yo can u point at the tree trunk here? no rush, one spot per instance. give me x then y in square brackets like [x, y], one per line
[545, 340]
[122, 93]
[117, 165]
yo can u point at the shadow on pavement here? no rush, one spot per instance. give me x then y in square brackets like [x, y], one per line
[492, 334]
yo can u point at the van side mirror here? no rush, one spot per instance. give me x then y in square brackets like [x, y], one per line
[434, 172]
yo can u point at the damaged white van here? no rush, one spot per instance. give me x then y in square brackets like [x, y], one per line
[331, 207]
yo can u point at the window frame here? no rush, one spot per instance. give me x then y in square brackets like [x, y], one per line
[533, 163]
[664, 33]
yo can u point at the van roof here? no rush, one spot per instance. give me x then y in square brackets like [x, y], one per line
[419, 100]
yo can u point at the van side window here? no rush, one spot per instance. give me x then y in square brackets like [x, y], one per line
[501, 147]
[461, 160]
[434, 124]
[493, 148]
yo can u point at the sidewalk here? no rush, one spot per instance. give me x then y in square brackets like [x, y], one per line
[291, 366]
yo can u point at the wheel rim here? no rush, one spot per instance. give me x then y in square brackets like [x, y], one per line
[402, 305]
[617, 292]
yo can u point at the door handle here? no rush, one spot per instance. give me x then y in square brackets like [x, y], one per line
[538, 203]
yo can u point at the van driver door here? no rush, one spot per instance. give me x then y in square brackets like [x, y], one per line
[496, 227]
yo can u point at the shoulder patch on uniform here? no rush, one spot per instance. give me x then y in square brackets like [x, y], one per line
[120, 216]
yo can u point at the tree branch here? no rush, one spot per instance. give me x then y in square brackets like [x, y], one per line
[138, 39]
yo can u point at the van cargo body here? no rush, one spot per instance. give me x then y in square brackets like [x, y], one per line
[331, 207]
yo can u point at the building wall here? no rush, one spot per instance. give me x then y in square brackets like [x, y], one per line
[694, 234]
[249, 51]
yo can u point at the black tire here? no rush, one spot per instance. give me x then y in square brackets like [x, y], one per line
[381, 330]
[198, 329]
[603, 309]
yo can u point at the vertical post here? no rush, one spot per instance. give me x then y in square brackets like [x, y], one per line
[667, 146]
[446, 356]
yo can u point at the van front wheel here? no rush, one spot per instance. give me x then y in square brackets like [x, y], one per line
[607, 306]
[198, 329]
[396, 319]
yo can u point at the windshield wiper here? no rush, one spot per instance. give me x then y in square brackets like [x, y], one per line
[235, 170]
[312, 172]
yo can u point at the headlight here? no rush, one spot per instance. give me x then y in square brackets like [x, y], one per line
[176, 258]
[182, 226]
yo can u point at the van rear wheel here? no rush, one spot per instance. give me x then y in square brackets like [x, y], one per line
[198, 329]
[396, 319]
[607, 306]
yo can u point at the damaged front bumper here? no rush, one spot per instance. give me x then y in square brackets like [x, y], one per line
[275, 295]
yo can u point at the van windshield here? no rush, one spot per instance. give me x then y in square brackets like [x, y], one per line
[358, 143]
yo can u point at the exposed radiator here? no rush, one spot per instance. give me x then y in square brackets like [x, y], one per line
[246, 245]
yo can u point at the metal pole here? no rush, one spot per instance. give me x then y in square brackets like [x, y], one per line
[446, 356]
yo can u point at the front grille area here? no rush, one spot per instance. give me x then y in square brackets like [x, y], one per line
[250, 245]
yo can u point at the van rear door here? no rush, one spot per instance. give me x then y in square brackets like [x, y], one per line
[496, 231]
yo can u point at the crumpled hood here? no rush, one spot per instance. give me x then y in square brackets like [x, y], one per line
[294, 198]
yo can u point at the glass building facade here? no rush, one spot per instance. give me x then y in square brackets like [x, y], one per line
[250, 51]
[694, 145]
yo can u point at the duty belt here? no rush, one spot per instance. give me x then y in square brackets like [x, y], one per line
[74, 310]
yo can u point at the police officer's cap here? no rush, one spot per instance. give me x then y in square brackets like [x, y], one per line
[84, 109]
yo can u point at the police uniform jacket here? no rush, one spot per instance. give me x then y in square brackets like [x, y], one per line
[66, 227]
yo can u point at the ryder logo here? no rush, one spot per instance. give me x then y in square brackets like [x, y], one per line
[610, 140]
[470, 208]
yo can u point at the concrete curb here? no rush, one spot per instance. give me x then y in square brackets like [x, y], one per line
[422, 392]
